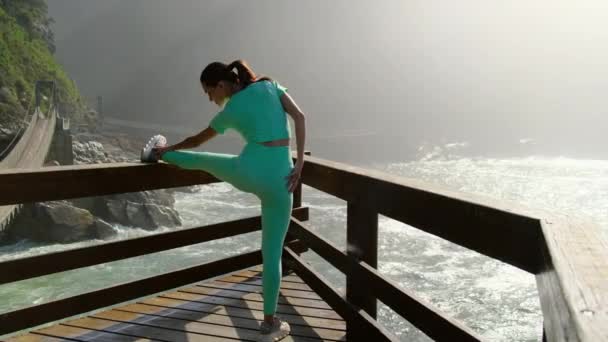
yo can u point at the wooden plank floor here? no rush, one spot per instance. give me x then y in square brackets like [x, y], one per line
[224, 309]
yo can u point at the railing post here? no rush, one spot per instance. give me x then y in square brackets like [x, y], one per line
[362, 244]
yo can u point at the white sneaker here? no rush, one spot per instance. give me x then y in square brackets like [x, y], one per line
[275, 332]
[146, 153]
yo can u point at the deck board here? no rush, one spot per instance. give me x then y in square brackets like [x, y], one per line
[256, 297]
[229, 308]
[258, 289]
[73, 333]
[258, 274]
[244, 304]
[244, 313]
[258, 282]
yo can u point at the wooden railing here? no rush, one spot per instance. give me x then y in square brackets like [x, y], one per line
[569, 259]
[568, 256]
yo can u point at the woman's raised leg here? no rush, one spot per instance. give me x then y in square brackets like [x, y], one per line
[222, 166]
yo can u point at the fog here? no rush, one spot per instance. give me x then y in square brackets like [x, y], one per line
[486, 72]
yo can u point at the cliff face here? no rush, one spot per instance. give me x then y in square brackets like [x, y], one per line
[26, 55]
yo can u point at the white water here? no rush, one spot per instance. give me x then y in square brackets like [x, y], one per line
[494, 299]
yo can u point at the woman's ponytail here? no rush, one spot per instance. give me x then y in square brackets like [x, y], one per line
[217, 71]
[245, 75]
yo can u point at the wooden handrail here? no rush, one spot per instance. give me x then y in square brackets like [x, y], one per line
[65, 182]
[19, 186]
[465, 220]
[573, 284]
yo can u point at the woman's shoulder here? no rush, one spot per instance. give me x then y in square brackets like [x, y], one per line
[266, 83]
[255, 90]
[263, 86]
[274, 85]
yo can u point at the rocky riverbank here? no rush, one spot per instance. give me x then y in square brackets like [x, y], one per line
[96, 217]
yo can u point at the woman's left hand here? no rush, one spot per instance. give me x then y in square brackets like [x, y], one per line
[294, 177]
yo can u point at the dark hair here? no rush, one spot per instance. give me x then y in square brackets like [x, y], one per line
[218, 71]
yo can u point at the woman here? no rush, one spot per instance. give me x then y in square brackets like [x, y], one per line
[256, 108]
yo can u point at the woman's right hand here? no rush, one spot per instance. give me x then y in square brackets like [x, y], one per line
[294, 177]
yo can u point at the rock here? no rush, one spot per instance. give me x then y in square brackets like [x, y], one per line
[52, 163]
[117, 211]
[65, 214]
[185, 189]
[147, 209]
[138, 216]
[67, 223]
[90, 152]
[161, 197]
[103, 230]
[87, 203]
[162, 216]
[151, 216]
[54, 222]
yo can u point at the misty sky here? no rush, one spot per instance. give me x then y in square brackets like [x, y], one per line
[468, 70]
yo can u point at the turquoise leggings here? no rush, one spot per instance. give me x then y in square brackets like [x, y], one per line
[260, 170]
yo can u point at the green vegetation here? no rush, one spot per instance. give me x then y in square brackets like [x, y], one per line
[26, 55]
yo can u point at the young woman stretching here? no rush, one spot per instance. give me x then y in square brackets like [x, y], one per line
[256, 108]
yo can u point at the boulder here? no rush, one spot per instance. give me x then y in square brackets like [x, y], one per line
[147, 209]
[90, 152]
[103, 230]
[162, 216]
[116, 211]
[54, 222]
[185, 189]
[65, 222]
[138, 216]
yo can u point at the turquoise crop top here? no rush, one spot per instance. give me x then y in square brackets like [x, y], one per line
[256, 113]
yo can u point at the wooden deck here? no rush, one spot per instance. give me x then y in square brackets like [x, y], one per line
[225, 309]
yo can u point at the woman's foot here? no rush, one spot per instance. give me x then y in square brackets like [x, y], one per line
[276, 331]
[147, 155]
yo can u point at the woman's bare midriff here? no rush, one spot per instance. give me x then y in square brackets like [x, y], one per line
[281, 142]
